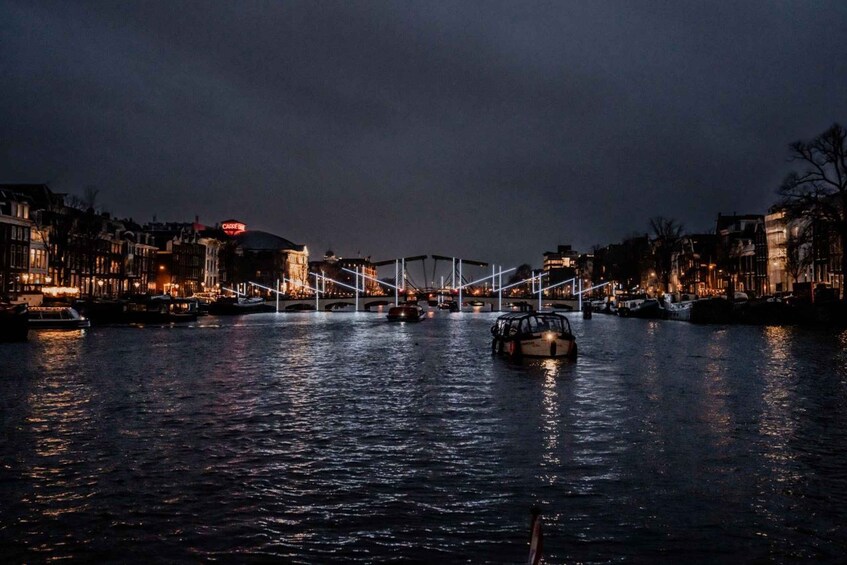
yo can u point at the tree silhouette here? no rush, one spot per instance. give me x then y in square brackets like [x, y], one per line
[522, 272]
[797, 254]
[87, 233]
[667, 234]
[818, 190]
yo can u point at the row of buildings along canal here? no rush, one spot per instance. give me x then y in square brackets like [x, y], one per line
[52, 247]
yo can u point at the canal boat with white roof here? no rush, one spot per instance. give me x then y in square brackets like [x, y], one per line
[533, 334]
[56, 318]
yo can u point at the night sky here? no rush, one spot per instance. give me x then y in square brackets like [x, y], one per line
[486, 130]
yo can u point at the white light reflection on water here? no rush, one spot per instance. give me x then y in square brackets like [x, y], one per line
[779, 378]
[343, 438]
[777, 427]
[551, 418]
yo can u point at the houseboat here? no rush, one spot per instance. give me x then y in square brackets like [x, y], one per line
[161, 309]
[228, 305]
[533, 334]
[56, 318]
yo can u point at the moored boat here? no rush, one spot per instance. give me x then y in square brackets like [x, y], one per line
[406, 313]
[229, 305]
[161, 309]
[57, 318]
[648, 308]
[533, 334]
[680, 311]
[204, 300]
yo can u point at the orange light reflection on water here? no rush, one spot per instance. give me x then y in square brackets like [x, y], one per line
[713, 409]
[59, 406]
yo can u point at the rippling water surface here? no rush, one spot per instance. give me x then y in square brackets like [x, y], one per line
[315, 438]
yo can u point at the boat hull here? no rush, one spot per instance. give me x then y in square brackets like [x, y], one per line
[680, 312]
[536, 347]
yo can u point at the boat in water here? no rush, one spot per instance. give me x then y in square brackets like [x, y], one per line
[533, 334]
[204, 300]
[161, 309]
[640, 308]
[406, 313]
[13, 322]
[679, 311]
[56, 318]
[231, 305]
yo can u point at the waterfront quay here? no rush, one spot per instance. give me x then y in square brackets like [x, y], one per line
[326, 437]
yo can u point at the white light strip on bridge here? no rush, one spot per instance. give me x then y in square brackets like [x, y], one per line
[524, 281]
[339, 283]
[595, 286]
[233, 291]
[299, 284]
[363, 275]
[559, 284]
[284, 281]
[495, 275]
[269, 289]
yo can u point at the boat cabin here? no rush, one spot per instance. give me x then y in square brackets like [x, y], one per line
[536, 334]
[56, 317]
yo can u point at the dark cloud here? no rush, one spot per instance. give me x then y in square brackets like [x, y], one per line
[486, 130]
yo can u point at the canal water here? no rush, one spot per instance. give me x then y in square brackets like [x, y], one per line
[338, 437]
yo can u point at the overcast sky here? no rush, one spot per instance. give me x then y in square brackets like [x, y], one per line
[486, 130]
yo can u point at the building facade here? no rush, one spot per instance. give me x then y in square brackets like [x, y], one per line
[742, 254]
[561, 269]
[338, 269]
[265, 258]
[15, 236]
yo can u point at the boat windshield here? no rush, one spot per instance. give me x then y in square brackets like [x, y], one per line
[532, 324]
[541, 323]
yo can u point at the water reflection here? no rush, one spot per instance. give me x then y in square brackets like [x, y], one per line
[550, 417]
[713, 408]
[777, 424]
[58, 421]
[342, 438]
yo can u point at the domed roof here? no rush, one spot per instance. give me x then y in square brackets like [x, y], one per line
[255, 240]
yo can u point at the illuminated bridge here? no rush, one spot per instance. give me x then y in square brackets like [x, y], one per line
[500, 290]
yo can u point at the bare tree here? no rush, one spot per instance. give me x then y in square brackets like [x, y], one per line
[797, 254]
[819, 189]
[88, 228]
[667, 234]
[522, 273]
